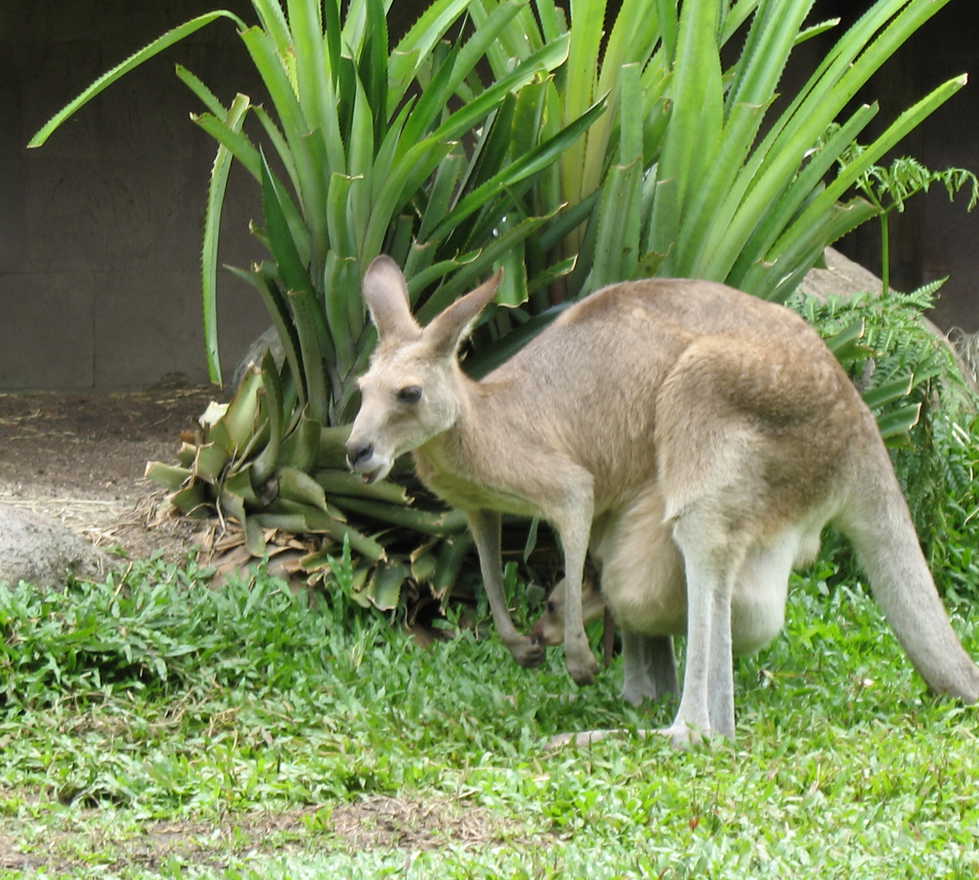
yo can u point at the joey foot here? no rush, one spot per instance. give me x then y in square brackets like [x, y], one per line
[637, 692]
[525, 651]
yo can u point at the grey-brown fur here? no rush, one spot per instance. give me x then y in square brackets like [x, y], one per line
[726, 411]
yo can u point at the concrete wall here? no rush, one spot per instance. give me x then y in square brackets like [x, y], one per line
[934, 237]
[100, 229]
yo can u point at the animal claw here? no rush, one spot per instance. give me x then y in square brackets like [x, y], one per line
[583, 670]
[528, 653]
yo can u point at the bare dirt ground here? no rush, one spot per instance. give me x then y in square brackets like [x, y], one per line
[79, 458]
[371, 823]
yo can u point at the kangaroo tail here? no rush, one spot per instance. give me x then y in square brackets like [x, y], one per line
[878, 523]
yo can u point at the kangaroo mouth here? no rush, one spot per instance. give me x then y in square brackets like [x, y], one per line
[376, 473]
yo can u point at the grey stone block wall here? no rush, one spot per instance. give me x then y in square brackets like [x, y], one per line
[100, 228]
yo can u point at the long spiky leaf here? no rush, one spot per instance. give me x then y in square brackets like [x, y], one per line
[536, 160]
[212, 230]
[158, 45]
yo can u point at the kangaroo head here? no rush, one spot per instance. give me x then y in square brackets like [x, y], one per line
[549, 627]
[413, 389]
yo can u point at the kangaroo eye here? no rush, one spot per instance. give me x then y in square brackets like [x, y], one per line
[410, 394]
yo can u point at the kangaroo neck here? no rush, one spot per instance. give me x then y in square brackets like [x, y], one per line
[467, 464]
[452, 450]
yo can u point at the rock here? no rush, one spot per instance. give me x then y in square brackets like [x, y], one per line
[844, 279]
[43, 552]
[841, 278]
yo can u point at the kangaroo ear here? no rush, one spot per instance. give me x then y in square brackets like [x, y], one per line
[386, 295]
[449, 328]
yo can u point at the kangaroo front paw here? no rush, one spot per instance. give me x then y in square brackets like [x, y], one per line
[582, 667]
[527, 652]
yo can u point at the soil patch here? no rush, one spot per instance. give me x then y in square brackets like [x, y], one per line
[375, 822]
[79, 458]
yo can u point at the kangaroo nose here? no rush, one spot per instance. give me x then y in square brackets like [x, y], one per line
[358, 453]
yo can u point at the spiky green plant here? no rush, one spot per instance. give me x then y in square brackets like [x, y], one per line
[692, 173]
[364, 147]
[695, 171]
[688, 172]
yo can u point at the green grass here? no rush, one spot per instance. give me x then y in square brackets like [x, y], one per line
[153, 727]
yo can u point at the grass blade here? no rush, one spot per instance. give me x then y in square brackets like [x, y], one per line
[331, 37]
[312, 334]
[280, 315]
[341, 482]
[236, 142]
[456, 67]
[806, 183]
[311, 164]
[480, 265]
[466, 118]
[374, 62]
[889, 391]
[425, 521]
[290, 263]
[207, 97]
[759, 69]
[587, 19]
[693, 135]
[315, 86]
[908, 120]
[898, 423]
[417, 44]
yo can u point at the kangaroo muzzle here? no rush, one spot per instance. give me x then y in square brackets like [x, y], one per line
[359, 454]
[363, 458]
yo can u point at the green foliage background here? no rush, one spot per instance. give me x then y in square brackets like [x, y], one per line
[912, 376]
[504, 133]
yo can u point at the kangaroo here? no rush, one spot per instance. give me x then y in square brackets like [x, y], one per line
[730, 408]
[641, 575]
[649, 667]
[644, 588]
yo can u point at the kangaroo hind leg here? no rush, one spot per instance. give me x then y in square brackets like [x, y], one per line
[649, 669]
[707, 701]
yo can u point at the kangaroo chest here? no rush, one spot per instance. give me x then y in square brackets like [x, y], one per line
[468, 494]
